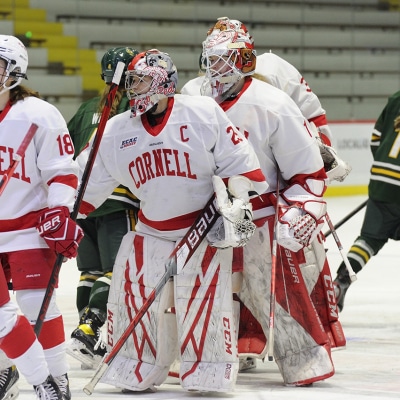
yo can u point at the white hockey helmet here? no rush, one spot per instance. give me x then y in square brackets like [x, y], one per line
[161, 69]
[229, 55]
[14, 53]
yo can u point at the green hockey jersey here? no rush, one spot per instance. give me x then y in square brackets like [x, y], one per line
[384, 182]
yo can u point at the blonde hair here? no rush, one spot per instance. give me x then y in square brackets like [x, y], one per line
[117, 99]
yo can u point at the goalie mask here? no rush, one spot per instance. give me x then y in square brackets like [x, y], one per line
[151, 76]
[229, 56]
[15, 56]
[112, 57]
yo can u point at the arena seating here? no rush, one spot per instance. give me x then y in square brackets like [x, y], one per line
[349, 51]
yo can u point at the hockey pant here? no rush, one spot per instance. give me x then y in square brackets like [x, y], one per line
[301, 346]
[192, 319]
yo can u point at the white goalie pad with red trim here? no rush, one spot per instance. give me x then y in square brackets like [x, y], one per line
[145, 359]
[207, 326]
[301, 346]
[192, 319]
[319, 282]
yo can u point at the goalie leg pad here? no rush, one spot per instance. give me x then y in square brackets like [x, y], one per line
[315, 362]
[252, 341]
[319, 282]
[145, 358]
[300, 344]
[206, 321]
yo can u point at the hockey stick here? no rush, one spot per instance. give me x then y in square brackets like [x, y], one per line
[270, 342]
[352, 274]
[185, 250]
[17, 156]
[346, 218]
[84, 181]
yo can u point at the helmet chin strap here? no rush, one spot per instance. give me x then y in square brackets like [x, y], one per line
[4, 88]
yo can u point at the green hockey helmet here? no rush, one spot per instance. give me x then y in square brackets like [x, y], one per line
[112, 57]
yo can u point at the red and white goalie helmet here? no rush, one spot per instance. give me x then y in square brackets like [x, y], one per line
[144, 93]
[15, 56]
[229, 55]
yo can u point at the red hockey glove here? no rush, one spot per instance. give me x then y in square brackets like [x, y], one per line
[60, 232]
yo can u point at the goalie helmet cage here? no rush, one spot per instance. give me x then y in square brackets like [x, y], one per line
[84, 181]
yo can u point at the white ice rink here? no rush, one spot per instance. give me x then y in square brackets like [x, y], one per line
[369, 368]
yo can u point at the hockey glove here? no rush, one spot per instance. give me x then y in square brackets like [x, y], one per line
[60, 232]
[300, 219]
[336, 169]
[235, 227]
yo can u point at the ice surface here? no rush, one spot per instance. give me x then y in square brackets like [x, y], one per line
[369, 368]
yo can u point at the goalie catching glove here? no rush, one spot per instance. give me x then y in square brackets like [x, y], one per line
[336, 169]
[59, 231]
[301, 218]
[235, 227]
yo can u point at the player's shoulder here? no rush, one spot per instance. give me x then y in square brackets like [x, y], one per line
[395, 97]
[120, 125]
[192, 86]
[197, 100]
[41, 112]
[269, 90]
[267, 96]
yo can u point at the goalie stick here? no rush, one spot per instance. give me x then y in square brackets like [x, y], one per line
[17, 156]
[270, 341]
[346, 218]
[84, 181]
[184, 250]
[346, 261]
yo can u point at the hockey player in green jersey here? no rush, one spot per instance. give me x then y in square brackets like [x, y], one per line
[105, 227]
[382, 215]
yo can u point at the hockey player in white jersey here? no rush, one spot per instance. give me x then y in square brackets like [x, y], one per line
[34, 226]
[314, 264]
[288, 154]
[171, 151]
[283, 75]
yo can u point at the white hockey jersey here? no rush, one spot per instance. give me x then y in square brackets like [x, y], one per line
[45, 177]
[279, 133]
[169, 166]
[282, 75]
